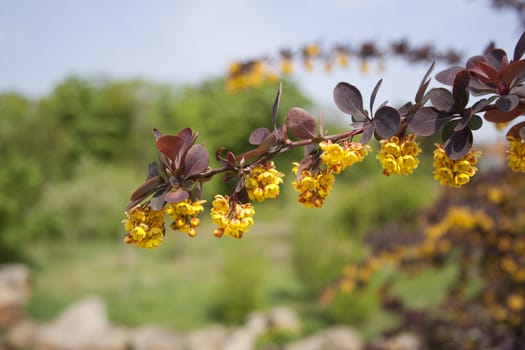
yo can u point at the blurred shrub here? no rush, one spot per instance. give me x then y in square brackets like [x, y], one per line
[274, 338]
[379, 200]
[239, 291]
[352, 308]
[319, 251]
[89, 205]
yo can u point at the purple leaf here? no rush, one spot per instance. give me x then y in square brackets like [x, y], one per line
[427, 120]
[349, 100]
[424, 84]
[497, 59]
[146, 188]
[442, 99]
[520, 47]
[301, 124]
[275, 108]
[367, 134]
[507, 103]
[447, 76]
[459, 91]
[458, 144]
[464, 121]
[386, 121]
[176, 196]
[196, 160]
[258, 136]
[374, 93]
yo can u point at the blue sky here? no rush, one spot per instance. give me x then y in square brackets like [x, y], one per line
[41, 42]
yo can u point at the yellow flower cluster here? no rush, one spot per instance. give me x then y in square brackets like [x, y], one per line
[248, 75]
[516, 154]
[263, 182]
[145, 227]
[313, 188]
[232, 220]
[399, 155]
[458, 217]
[185, 216]
[338, 157]
[454, 173]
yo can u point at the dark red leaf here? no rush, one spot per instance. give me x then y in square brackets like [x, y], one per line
[146, 188]
[459, 90]
[188, 138]
[497, 116]
[258, 136]
[386, 121]
[442, 99]
[196, 160]
[489, 72]
[264, 147]
[458, 144]
[512, 71]
[427, 120]
[176, 196]
[169, 145]
[301, 124]
[517, 130]
[349, 100]
[497, 58]
[520, 47]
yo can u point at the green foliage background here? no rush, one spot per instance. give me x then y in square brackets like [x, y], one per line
[72, 158]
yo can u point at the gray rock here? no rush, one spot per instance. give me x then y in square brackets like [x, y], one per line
[22, 334]
[211, 338]
[114, 338]
[256, 322]
[334, 338]
[156, 338]
[75, 328]
[403, 341]
[284, 318]
[14, 292]
[242, 338]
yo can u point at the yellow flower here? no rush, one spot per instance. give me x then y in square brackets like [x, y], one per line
[337, 157]
[454, 173]
[144, 227]
[515, 302]
[342, 59]
[313, 188]
[516, 154]
[263, 182]
[185, 215]
[232, 220]
[287, 66]
[399, 156]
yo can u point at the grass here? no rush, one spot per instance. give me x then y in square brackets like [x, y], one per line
[173, 285]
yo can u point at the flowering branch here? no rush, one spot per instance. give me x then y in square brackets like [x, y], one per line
[174, 186]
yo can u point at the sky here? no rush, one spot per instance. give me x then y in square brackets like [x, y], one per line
[177, 42]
